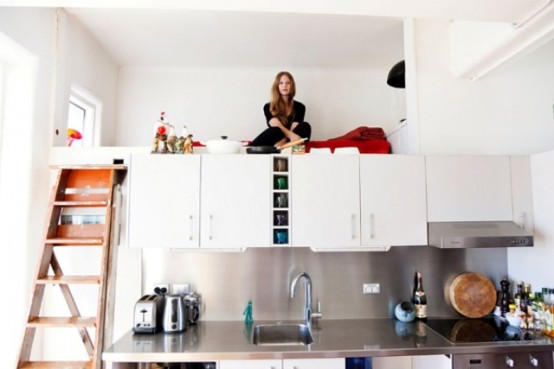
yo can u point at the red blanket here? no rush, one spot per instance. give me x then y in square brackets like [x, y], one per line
[363, 133]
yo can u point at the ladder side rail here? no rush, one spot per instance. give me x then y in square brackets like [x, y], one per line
[37, 291]
[104, 272]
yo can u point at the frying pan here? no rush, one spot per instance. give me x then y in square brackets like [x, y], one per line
[272, 149]
[262, 150]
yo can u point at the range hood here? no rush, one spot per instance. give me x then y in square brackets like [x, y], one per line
[452, 235]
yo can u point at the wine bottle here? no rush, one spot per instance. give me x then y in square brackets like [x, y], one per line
[517, 295]
[420, 298]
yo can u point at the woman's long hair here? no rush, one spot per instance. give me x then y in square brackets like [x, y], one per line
[277, 106]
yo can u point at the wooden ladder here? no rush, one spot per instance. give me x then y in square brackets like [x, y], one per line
[81, 213]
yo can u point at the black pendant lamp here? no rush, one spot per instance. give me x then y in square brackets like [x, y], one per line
[396, 77]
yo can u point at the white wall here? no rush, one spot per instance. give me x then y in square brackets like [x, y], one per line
[215, 102]
[81, 60]
[27, 39]
[535, 265]
[507, 112]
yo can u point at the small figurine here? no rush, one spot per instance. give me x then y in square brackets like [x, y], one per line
[248, 319]
[172, 144]
[180, 146]
[162, 130]
[188, 144]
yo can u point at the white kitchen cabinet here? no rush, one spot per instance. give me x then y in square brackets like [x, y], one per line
[392, 362]
[164, 201]
[468, 188]
[235, 201]
[338, 363]
[250, 364]
[431, 361]
[393, 200]
[325, 201]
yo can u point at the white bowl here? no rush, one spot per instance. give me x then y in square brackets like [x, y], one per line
[223, 146]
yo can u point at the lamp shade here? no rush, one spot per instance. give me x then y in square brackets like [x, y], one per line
[396, 77]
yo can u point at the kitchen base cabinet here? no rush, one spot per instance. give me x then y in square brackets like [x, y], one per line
[412, 362]
[393, 362]
[337, 363]
[314, 363]
[432, 361]
[250, 364]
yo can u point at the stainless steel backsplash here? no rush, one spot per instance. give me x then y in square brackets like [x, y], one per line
[227, 281]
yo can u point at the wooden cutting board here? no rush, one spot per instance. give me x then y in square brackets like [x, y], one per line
[473, 295]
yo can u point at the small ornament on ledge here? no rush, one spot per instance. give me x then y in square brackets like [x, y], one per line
[188, 144]
[163, 131]
[185, 141]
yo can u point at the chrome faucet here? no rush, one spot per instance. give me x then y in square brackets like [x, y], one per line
[308, 294]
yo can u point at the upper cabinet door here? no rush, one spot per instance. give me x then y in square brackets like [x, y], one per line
[325, 201]
[468, 188]
[236, 199]
[164, 201]
[393, 206]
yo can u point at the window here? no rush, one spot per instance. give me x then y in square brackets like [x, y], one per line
[83, 118]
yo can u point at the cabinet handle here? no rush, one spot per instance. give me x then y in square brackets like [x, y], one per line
[353, 222]
[372, 226]
[211, 217]
[191, 228]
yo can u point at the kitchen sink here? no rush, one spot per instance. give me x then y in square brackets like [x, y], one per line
[282, 335]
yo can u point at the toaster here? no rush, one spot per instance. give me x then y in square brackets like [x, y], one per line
[148, 314]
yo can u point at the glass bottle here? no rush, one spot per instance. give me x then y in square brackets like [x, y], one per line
[420, 298]
[517, 295]
[545, 297]
[523, 299]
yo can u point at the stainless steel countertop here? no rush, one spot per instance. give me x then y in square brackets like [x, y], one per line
[212, 340]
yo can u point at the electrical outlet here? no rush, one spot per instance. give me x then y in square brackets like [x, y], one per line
[180, 288]
[160, 288]
[371, 288]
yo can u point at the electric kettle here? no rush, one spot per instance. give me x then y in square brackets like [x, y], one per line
[174, 318]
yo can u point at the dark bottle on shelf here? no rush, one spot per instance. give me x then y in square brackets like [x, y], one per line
[419, 298]
[505, 297]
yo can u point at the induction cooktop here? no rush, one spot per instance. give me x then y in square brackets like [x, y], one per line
[488, 329]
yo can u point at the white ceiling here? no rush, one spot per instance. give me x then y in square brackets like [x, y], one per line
[177, 38]
[250, 33]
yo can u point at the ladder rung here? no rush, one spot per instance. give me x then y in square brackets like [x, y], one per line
[70, 279]
[96, 241]
[57, 365]
[71, 321]
[82, 203]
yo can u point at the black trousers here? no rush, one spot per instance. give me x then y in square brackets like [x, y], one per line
[272, 135]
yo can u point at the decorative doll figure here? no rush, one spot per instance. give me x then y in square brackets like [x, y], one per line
[162, 130]
[188, 144]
